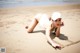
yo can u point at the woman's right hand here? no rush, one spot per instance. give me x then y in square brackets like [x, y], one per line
[55, 45]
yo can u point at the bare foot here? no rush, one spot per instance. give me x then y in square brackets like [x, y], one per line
[26, 27]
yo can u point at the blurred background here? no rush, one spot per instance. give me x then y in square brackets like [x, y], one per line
[15, 3]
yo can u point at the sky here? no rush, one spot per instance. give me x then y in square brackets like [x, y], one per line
[14, 3]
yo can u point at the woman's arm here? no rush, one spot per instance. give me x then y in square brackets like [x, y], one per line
[58, 31]
[58, 26]
[48, 32]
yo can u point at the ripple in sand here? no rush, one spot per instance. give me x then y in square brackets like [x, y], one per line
[2, 24]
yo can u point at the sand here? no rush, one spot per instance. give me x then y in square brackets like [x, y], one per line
[14, 37]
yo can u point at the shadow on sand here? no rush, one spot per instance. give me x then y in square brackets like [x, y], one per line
[52, 36]
[42, 31]
[61, 37]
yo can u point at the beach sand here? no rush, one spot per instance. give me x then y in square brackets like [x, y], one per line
[14, 36]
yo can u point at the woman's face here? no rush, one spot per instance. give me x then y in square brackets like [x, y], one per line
[57, 22]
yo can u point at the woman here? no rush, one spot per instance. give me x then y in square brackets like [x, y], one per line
[50, 24]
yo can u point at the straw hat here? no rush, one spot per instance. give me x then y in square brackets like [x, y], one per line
[56, 15]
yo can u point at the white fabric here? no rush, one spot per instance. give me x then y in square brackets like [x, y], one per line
[44, 20]
[56, 15]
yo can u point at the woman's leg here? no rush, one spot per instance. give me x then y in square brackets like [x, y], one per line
[32, 25]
